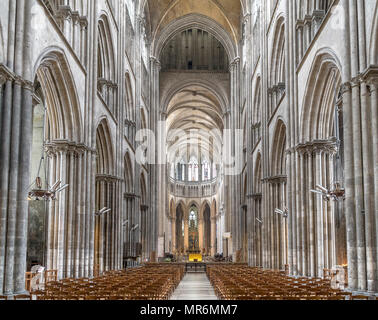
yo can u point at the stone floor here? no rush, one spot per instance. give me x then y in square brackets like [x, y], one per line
[194, 286]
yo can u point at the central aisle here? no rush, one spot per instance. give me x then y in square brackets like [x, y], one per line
[194, 286]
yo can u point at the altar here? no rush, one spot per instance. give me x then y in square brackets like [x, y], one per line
[195, 257]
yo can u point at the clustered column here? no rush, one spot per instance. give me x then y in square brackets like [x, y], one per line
[15, 137]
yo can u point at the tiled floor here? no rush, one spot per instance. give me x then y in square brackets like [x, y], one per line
[194, 286]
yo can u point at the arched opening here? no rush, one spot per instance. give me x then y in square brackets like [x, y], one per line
[194, 49]
[106, 62]
[321, 162]
[56, 159]
[106, 192]
[277, 76]
[194, 237]
[130, 125]
[278, 195]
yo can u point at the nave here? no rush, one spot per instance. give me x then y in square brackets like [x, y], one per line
[136, 133]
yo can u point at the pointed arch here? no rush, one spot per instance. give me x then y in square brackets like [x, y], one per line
[257, 175]
[318, 111]
[129, 99]
[277, 72]
[64, 119]
[204, 206]
[256, 113]
[278, 158]
[128, 168]
[105, 47]
[104, 149]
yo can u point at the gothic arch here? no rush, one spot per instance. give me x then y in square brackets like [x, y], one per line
[104, 149]
[203, 207]
[256, 113]
[59, 90]
[129, 99]
[257, 185]
[277, 72]
[106, 57]
[128, 167]
[317, 119]
[197, 21]
[278, 159]
[182, 204]
[179, 86]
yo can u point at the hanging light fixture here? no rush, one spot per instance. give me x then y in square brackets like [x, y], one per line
[103, 211]
[37, 191]
[336, 194]
[284, 213]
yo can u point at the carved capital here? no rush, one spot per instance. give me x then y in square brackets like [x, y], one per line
[83, 22]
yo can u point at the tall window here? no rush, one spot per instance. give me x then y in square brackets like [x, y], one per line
[206, 171]
[193, 218]
[193, 170]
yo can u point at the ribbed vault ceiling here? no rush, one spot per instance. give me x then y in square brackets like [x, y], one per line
[197, 111]
[225, 12]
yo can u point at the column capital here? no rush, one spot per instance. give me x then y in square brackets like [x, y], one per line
[75, 17]
[370, 75]
[5, 74]
[299, 24]
[64, 12]
[154, 60]
[83, 22]
[346, 87]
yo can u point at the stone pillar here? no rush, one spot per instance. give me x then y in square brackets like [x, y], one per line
[311, 229]
[186, 234]
[300, 26]
[201, 232]
[173, 225]
[16, 133]
[319, 215]
[213, 234]
[370, 165]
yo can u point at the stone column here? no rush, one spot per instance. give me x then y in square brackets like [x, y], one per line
[300, 26]
[319, 215]
[186, 234]
[200, 232]
[370, 165]
[311, 229]
[213, 234]
[173, 225]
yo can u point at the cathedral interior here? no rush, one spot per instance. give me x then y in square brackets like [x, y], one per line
[151, 137]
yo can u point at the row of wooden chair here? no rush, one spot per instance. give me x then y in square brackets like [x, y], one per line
[144, 283]
[247, 283]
